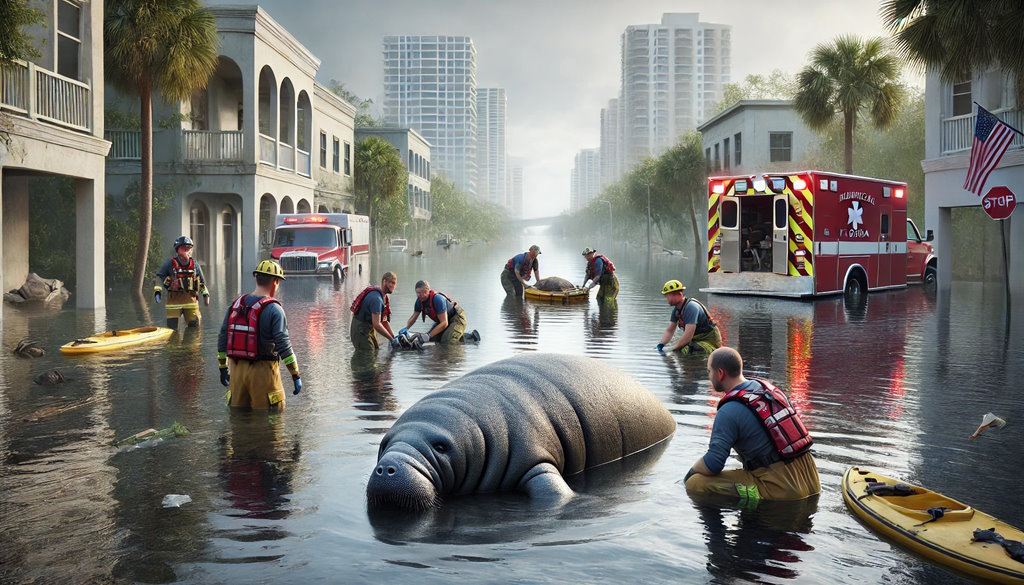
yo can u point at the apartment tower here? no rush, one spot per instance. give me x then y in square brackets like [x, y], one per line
[491, 146]
[586, 179]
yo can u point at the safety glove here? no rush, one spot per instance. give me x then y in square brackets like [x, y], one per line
[403, 331]
[225, 378]
[298, 384]
[157, 294]
[660, 347]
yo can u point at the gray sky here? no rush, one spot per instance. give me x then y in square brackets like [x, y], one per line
[557, 59]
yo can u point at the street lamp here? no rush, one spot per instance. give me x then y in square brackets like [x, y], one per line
[610, 221]
[648, 220]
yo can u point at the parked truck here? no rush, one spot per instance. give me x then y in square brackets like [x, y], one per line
[325, 245]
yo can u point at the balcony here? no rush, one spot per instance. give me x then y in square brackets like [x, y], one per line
[40, 94]
[958, 131]
[211, 146]
[124, 144]
[268, 150]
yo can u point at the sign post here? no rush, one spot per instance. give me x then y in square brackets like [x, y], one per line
[999, 203]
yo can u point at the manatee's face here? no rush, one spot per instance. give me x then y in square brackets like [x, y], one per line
[414, 468]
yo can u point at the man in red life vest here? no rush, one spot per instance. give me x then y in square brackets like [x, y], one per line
[183, 279]
[518, 270]
[600, 271]
[448, 317]
[254, 337]
[757, 420]
[372, 314]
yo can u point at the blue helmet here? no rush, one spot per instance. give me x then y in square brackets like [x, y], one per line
[183, 241]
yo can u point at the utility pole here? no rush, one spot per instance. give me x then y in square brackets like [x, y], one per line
[648, 220]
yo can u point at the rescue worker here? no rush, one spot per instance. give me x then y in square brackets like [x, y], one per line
[372, 314]
[757, 420]
[183, 279]
[600, 271]
[700, 333]
[254, 336]
[448, 317]
[517, 271]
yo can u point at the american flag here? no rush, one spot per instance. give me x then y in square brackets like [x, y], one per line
[991, 139]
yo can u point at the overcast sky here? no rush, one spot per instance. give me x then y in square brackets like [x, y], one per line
[558, 60]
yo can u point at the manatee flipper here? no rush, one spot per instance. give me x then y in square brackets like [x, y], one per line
[544, 484]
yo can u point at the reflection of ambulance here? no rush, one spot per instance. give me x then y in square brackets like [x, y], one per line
[812, 233]
[321, 244]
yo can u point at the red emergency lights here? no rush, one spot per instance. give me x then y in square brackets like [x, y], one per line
[799, 184]
[306, 219]
[718, 188]
[899, 193]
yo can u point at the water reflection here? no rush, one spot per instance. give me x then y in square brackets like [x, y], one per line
[521, 319]
[371, 383]
[257, 466]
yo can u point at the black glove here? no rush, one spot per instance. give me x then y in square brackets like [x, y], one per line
[158, 295]
[298, 385]
[225, 378]
[395, 343]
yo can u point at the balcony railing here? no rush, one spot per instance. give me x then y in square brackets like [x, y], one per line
[285, 157]
[124, 144]
[38, 93]
[958, 131]
[211, 146]
[302, 162]
[268, 150]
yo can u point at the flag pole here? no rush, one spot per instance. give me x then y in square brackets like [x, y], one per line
[1006, 278]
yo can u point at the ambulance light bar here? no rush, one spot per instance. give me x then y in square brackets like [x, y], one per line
[759, 185]
[799, 184]
[306, 219]
[778, 184]
[718, 188]
[741, 186]
[899, 193]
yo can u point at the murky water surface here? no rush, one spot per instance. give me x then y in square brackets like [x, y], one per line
[899, 383]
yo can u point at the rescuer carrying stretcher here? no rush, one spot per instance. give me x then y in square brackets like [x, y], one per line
[254, 337]
[183, 279]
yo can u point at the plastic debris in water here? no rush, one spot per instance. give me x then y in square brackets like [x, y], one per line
[175, 430]
[989, 421]
[175, 500]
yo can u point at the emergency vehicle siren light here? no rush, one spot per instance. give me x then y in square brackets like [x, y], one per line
[741, 186]
[759, 185]
[799, 184]
[316, 219]
[718, 188]
[899, 193]
[778, 184]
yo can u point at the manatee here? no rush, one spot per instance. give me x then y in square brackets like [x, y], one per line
[520, 424]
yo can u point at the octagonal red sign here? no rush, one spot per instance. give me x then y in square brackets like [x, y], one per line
[999, 202]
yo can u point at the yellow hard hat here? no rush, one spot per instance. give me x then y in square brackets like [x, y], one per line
[672, 286]
[270, 268]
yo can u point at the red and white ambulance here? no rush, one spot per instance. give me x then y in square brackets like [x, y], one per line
[812, 233]
[321, 244]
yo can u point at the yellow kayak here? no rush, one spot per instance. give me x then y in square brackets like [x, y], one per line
[574, 295]
[112, 340]
[906, 515]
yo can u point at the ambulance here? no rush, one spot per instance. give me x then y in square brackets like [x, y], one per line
[812, 233]
[323, 245]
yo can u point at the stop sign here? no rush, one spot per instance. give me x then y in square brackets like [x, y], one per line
[999, 202]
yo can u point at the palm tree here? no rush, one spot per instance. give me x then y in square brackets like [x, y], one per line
[380, 173]
[845, 77]
[960, 37]
[157, 46]
[682, 172]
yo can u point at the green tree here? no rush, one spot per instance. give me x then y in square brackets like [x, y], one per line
[777, 85]
[15, 43]
[380, 175]
[156, 46]
[845, 77]
[681, 174]
[364, 107]
[467, 218]
[960, 38]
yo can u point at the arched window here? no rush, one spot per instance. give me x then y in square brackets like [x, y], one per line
[287, 206]
[199, 224]
[303, 206]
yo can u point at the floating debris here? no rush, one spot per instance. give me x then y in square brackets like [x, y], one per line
[175, 500]
[175, 430]
[989, 421]
[28, 349]
[50, 378]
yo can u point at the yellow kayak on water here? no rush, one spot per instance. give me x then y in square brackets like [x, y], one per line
[931, 525]
[113, 340]
[573, 295]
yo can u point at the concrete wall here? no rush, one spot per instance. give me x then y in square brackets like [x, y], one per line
[15, 232]
[755, 121]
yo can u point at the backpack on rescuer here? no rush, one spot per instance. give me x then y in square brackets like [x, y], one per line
[357, 304]
[428, 308]
[243, 329]
[778, 416]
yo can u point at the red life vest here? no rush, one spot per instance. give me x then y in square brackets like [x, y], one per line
[428, 309]
[780, 419]
[243, 329]
[525, 267]
[183, 278]
[609, 268]
[357, 304]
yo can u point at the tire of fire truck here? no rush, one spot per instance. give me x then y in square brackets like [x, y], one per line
[339, 276]
[930, 274]
[854, 284]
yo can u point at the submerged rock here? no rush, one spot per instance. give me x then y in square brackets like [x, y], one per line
[37, 288]
[50, 378]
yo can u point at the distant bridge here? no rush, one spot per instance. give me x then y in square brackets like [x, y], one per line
[554, 221]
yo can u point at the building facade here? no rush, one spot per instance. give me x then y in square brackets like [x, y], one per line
[415, 153]
[516, 189]
[756, 136]
[492, 145]
[586, 179]
[950, 117]
[430, 86]
[610, 138]
[51, 122]
[672, 73]
[263, 138]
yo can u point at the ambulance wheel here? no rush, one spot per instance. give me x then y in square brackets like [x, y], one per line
[930, 275]
[339, 276]
[854, 286]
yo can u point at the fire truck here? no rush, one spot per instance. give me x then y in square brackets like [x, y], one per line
[321, 244]
[812, 233]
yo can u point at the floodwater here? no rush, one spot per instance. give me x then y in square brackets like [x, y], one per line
[898, 383]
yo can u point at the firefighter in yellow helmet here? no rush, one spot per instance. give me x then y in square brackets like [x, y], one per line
[254, 337]
[183, 279]
[700, 333]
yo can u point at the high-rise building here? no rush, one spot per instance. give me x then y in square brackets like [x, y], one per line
[586, 179]
[516, 188]
[610, 129]
[672, 74]
[430, 86]
[491, 143]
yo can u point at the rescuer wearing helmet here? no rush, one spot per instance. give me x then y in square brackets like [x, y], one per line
[183, 279]
[517, 271]
[448, 317]
[600, 271]
[254, 337]
[700, 334]
[757, 420]
[372, 314]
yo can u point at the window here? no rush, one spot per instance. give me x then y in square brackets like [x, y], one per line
[323, 150]
[69, 38]
[707, 158]
[962, 98]
[780, 146]
[348, 159]
[725, 153]
[739, 149]
[337, 154]
[718, 160]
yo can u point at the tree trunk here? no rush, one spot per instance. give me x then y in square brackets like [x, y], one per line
[145, 189]
[850, 118]
[700, 259]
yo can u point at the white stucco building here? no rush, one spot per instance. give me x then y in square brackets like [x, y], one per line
[950, 117]
[415, 153]
[756, 136]
[263, 138]
[51, 110]
[491, 145]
